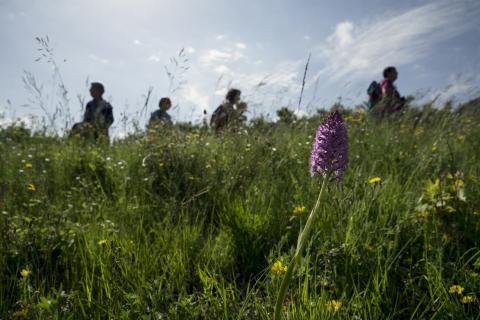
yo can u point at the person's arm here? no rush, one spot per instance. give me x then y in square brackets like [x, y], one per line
[88, 116]
[218, 116]
[109, 115]
[153, 123]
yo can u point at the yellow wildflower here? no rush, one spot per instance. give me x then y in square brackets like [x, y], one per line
[25, 273]
[103, 242]
[28, 165]
[279, 268]
[31, 187]
[298, 210]
[334, 305]
[375, 180]
[468, 299]
[456, 289]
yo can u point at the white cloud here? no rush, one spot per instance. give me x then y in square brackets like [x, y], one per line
[357, 52]
[277, 87]
[220, 37]
[154, 58]
[137, 42]
[193, 95]
[98, 59]
[342, 36]
[461, 87]
[307, 37]
[221, 69]
[241, 45]
[190, 50]
[214, 56]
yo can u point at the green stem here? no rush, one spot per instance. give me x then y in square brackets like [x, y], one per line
[302, 240]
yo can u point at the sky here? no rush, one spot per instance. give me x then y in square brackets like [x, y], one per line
[260, 47]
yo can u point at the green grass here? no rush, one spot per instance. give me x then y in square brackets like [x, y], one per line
[188, 225]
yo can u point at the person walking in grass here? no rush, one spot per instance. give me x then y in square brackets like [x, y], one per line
[384, 97]
[229, 111]
[98, 116]
[390, 95]
[160, 117]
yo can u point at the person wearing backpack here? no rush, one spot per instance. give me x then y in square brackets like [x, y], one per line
[98, 115]
[227, 111]
[384, 96]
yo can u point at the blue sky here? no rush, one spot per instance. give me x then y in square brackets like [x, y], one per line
[259, 46]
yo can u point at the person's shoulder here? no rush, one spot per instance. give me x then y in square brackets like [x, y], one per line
[385, 81]
[221, 107]
[104, 103]
[155, 113]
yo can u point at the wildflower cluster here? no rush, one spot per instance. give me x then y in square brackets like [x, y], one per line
[468, 299]
[279, 268]
[443, 195]
[298, 210]
[334, 305]
[456, 289]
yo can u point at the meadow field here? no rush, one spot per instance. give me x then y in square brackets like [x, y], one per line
[187, 224]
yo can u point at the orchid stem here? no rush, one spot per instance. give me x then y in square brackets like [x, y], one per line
[302, 240]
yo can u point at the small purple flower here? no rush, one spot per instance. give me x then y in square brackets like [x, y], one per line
[330, 148]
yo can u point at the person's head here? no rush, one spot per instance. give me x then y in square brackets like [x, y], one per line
[96, 90]
[390, 73]
[233, 96]
[165, 104]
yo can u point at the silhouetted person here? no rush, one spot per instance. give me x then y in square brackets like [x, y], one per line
[98, 115]
[391, 101]
[229, 112]
[160, 117]
[97, 119]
